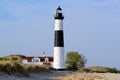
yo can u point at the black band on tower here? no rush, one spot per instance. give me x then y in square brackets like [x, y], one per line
[59, 39]
[59, 16]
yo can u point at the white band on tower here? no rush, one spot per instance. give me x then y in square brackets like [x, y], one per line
[58, 24]
[59, 58]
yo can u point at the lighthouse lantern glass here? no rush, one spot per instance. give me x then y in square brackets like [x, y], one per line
[59, 11]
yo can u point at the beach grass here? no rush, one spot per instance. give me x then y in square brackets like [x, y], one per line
[12, 65]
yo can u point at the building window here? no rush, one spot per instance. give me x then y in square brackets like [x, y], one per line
[35, 60]
[46, 59]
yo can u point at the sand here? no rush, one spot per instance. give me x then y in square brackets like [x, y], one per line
[64, 75]
[91, 76]
[53, 75]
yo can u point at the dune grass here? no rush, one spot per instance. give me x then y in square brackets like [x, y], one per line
[99, 69]
[31, 68]
[13, 69]
[12, 65]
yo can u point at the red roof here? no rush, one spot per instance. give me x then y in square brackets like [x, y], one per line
[29, 59]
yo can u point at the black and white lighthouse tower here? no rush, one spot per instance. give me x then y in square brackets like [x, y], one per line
[59, 62]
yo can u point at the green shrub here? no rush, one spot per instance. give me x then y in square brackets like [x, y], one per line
[75, 60]
[84, 70]
[99, 69]
[1, 58]
[113, 70]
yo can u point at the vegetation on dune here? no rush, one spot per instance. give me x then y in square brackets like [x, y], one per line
[31, 68]
[13, 69]
[12, 58]
[12, 65]
[1, 58]
[113, 70]
[99, 69]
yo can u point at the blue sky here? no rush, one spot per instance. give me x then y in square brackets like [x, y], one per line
[91, 27]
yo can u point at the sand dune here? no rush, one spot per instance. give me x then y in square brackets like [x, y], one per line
[91, 76]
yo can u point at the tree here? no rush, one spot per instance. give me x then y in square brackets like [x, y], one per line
[75, 60]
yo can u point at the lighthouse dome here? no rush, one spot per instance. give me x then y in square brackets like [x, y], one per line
[59, 8]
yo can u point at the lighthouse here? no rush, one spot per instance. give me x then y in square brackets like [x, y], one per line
[59, 62]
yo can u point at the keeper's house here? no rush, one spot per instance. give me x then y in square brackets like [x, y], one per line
[42, 60]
